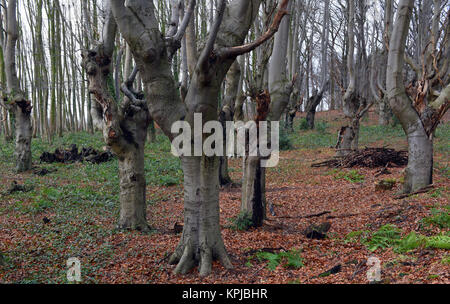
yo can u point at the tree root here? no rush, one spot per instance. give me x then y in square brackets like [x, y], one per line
[187, 256]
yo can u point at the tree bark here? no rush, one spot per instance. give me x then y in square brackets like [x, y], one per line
[16, 101]
[201, 241]
[254, 190]
[254, 178]
[124, 127]
[418, 174]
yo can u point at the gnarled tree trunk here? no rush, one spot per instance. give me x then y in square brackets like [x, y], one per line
[124, 127]
[419, 118]
[15, 100]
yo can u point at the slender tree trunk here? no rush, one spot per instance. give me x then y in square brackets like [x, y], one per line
[226, 114]
[254, 190]
[254, 182]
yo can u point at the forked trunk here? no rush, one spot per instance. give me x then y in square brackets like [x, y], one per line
[201, 241]
[254, 190]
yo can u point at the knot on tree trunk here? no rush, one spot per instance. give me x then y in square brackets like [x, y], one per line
[25, 106]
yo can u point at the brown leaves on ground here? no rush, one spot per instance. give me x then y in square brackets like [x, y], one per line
[295, 190]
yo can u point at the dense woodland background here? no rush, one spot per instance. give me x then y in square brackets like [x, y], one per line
[340, 76]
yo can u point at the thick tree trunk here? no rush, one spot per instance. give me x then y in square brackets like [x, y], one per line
[124, 127]
[310, 119]
[201, 241]
[419, 172]
[133, 203]
[348, 138]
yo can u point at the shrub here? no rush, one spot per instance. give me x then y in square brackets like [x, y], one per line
[242, 222]
[303, 124]
[352, 176]
[285, 141]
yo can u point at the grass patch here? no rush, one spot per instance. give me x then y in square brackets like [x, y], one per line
[352, 176]
[438, 218]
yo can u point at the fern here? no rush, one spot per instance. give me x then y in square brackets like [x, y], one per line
[387, 236]
[438, 241]
[410, 242]
[290, 259]
[439, 218]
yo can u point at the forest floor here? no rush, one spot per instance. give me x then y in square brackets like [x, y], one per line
[72, 213]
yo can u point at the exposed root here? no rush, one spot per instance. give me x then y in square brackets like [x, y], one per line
[188, 256]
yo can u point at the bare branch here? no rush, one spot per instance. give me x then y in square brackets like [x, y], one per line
[232, 52]
[186, 19]
[204, 57]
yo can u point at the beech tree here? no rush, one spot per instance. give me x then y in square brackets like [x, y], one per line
[270, 94]
[124, 126]
[14, 99]
[355, 104]
[201, 241]
[421, 105]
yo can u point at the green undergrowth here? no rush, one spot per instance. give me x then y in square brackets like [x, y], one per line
[351, 176]
[288, 259]
[390, 236]
[242, 222]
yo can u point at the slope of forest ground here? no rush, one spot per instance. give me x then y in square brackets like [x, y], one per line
[72, 211]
